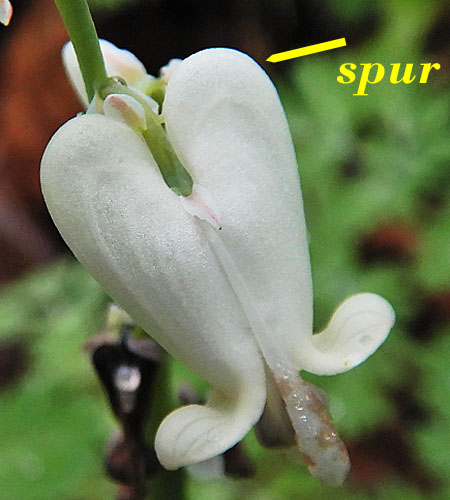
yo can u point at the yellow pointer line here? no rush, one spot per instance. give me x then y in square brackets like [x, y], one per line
[306, 51]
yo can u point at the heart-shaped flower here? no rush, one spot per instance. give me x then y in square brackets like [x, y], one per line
[221, 279]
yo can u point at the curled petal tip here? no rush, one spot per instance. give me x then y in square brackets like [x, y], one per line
[6, 12]
[197, 433]
[356, 330]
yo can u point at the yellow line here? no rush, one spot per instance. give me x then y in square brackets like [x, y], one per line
[306, 51]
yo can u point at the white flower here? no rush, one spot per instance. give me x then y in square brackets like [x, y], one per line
[6, 12]
[220, 279]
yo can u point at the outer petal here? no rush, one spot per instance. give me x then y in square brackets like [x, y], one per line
[118, 62]
[226, 123]
[130, 231]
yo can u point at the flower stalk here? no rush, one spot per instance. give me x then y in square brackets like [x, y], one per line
[80, 27]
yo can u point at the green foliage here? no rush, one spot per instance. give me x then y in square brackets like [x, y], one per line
[54, 422]
[396, 142]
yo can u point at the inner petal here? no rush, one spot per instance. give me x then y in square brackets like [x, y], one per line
[321, 448]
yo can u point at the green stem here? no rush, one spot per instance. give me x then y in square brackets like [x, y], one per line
[166, 485]
[172, 170]
[156, 90]
[80, 27]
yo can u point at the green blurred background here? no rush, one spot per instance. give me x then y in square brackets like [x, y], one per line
[375, 176]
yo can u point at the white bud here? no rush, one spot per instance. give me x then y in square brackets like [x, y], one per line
[6, 12]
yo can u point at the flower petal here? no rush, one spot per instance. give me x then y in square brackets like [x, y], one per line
[122, 62]
[196, 433]
[114, 210]
[226, 124]
[356, 330]
[73, 72]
